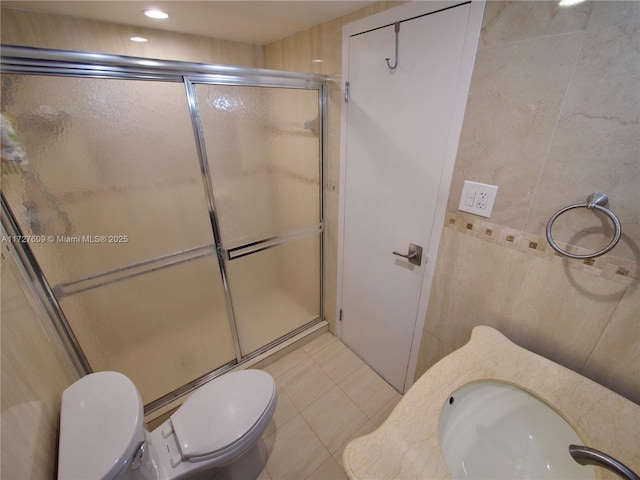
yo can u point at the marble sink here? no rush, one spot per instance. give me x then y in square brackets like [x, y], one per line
[494, 430]
[408, 444]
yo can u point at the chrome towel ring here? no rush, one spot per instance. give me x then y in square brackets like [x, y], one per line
[596, 200]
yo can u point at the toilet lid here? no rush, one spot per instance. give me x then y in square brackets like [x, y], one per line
[221, 412]
[100, 426]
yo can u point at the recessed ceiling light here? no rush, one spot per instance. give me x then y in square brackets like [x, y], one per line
[569, 3]
[138, 39]
[156, 14]
[317, 60]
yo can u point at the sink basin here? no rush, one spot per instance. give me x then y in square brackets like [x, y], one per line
[493, 430]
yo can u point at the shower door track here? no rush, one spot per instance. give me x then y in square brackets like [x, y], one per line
[36, 61]
[43, 61]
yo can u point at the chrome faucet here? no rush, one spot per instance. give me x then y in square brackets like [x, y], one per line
[590, 456]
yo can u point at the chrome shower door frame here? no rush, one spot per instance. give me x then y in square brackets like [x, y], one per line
[35, 61]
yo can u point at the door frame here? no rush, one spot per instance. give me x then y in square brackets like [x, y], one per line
[388, 17]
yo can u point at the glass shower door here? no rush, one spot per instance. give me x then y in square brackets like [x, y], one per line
[263, 147]
[112, 198]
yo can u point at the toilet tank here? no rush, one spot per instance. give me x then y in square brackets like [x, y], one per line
[101, 427]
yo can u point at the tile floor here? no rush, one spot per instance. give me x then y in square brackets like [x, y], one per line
[326, 397]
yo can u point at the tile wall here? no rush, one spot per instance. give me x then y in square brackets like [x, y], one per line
[35, 371]
[319, 50]
[552, 116]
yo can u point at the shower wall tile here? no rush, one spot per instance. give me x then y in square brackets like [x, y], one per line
[321, 42]
[319, 50]
[35, 371]
[512, 21]
[515, 97]
[614, 13]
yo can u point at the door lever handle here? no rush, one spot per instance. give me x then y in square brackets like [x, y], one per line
[410, 255]
[414, 255]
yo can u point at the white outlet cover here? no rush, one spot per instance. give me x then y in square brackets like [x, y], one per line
[478, 198]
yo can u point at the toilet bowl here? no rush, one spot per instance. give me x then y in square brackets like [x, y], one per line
[215, 434]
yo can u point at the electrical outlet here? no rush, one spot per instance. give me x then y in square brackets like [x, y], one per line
[478, 198]
[482, 200]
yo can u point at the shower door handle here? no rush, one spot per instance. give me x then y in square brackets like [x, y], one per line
[414, 255]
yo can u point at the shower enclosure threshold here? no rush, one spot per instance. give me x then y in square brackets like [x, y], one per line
[157, 410]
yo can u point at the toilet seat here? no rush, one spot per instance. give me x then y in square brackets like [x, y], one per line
[224, 417]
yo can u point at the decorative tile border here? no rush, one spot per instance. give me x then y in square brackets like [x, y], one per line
[607, 266]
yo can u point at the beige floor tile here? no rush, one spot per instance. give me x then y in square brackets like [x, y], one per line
[329, 470]
[366, 429]
[295, 451]
[334, 418]
[319, 343]
[379, 418]
[305, 382]
[286, 363]
[326, 397]
[368, 390]
[264, 475]
[285, 411]
[337, 361]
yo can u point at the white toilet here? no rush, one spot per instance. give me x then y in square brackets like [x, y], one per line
[215, 434]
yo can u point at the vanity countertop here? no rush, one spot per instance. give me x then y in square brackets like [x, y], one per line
[406, 445]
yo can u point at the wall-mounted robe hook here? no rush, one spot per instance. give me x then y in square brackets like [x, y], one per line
[393, 67]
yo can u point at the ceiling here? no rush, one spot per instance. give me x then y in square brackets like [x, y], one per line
[249, 21]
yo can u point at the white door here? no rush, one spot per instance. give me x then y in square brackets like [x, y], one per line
[397, 130]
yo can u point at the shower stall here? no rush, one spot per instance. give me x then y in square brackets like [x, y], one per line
[169, 213]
